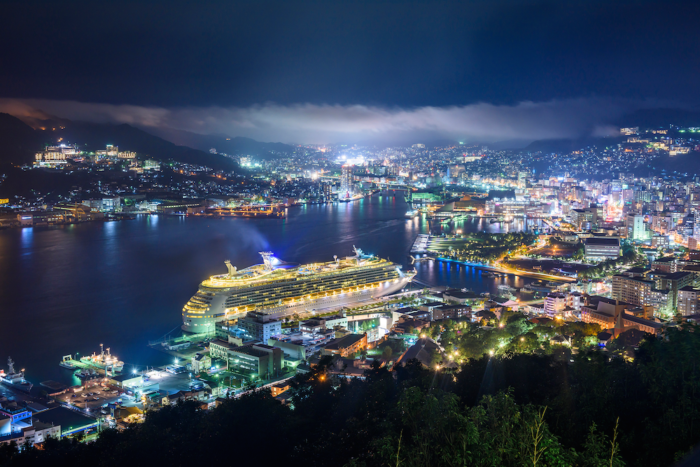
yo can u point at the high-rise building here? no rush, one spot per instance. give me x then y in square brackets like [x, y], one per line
[632, 290]
[688, 300]
[346, 182]
[636, 229]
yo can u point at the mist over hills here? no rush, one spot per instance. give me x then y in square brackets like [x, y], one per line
[238, 145]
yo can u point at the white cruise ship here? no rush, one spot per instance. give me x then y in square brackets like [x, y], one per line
[278, 289]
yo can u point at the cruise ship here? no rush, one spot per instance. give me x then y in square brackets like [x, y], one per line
[278, 289]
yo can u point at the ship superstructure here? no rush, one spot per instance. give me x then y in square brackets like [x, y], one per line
[104, 361]
[279, 289]
[14, 379]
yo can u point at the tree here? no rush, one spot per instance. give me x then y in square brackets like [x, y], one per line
[386, 353]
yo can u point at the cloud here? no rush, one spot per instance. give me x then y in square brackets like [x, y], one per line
[312, 123]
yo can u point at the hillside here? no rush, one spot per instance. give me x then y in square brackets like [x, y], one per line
[95, 136]
[238, 145]
[19, 142]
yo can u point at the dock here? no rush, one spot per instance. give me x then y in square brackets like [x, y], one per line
[421, 244]
[53, 385]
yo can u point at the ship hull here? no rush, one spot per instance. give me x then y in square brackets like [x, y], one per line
[324, 304]
[20, 387]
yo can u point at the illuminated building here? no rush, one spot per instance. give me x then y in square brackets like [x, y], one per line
[633, 290]
[635, 226]
[276, 289]
[111, 151]
[347, 189]
[688, 300]
[600, 248]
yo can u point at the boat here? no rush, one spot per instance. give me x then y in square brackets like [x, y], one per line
[488, 274]
[104, 361]
[13, 379]
[412, 213]
[494, 221]
[87, 373]
[276, 289]
[67, 362]
[348, 198]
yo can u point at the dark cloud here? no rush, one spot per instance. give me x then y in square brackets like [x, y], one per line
[309, 123]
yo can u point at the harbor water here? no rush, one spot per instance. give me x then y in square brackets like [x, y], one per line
[66, 290]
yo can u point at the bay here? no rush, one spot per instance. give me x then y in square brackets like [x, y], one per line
[65, 290]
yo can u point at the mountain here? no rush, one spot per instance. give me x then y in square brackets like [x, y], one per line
[93, 136]
[19, 142]
[655, 118]
[568, 145]
[237, 145]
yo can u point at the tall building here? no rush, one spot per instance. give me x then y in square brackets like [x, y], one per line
[636, 229]
[636, 291]
[346, 182]
[688, 300]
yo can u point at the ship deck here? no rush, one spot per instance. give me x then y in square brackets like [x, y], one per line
[80, 365]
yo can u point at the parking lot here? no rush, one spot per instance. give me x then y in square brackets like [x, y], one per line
[91, 396]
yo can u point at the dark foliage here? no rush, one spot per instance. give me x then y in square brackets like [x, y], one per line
[510, 410]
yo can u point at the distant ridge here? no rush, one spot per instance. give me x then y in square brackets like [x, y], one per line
[19, 142]
[237, 145]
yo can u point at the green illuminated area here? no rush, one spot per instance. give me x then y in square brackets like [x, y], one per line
[481, 247]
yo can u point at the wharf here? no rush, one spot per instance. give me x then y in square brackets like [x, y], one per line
[53, 385]
[421, 244]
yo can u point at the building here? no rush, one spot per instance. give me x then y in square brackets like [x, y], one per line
[688, 300]
[612, 314]
[291, 350]
[220, 349]
[584, 219]
[458, 296]
[451, 312]
[555, 303]
[258, 359]
[671, 282]
[602, 248]
[260, 326]
[346, 345]
[347, 188]
[200, 363]
[632, 290]
[315, 326]
[635, 227]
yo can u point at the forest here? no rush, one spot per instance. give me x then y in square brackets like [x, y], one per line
[511, 409]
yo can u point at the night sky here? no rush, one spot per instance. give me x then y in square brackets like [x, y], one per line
[383, 54]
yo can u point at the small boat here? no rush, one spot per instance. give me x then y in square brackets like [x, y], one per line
[14, 380]
[67, 362]
[488, 274]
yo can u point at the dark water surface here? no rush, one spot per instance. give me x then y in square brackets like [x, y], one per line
[65, 290]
